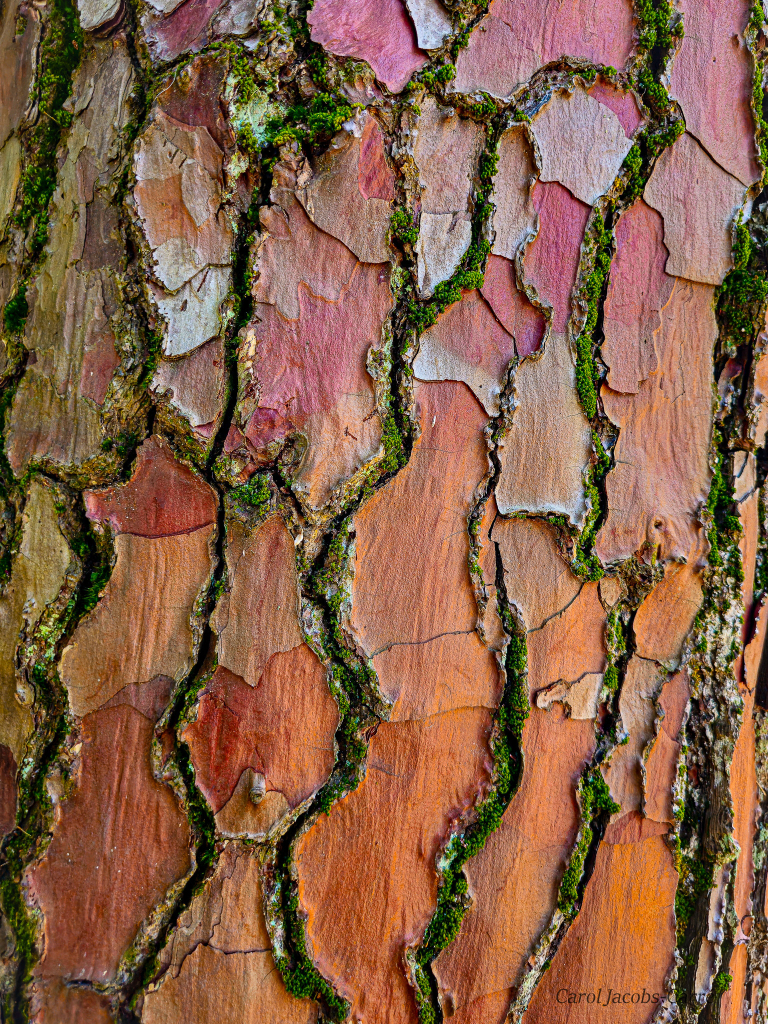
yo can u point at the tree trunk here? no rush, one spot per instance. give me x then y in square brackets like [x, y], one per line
[384, 538]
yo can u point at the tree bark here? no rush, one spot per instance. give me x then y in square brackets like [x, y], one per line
[384, 531]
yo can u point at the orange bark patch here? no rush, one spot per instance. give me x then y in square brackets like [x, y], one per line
[515, 878]
[222, 966]
[283, 729]
[119, 842]
[372, 858]
[52, 1002]
[621, 944]
[666, 616]
[260, 614]
[661, 474]
[412, 581]
[140, 628]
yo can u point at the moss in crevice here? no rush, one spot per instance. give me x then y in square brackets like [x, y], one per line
[402, 227]
[658, 28]
[596, 807]
[587, 374]
[725, 529]
[351, 683]
[255, 494]
[470, 273]
[142, 960]
[300, 976]
[754, 29]
[38, 654]
[616, 633]
[506, 746]
[742, 295]
[61, 48]
[704, 837]
[586, 565]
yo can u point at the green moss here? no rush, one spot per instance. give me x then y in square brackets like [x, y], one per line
[301, 977]
[395, 456]
[616, 645]
[197, 808]
[402, 227]
[16, 311]
[587, 376]
[317, 122]
[468, 276]
[348, 679]
[95, 554]
[247, 140]
[754, 28]
[441, 76]
[761, 572]
[611, 678]
[60, 52]
[470, 273]
[123, 443]
[722, 983]
[725, 531]
[655, 25]
[153, 348]
[242, 73]
[743, 293]
[255, 494]
[697, 878]
[18, 917]
[586, 564]
[34, 806]
[461, 41]
[595, 800]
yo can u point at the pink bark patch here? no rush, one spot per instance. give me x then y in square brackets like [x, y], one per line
[304, 366]
[99, 364]
[374, 175]
[182, 30]
[163, 497]
[518, 37]
[376, 31]
[552, 259]
[712, 79]
[313, 378]
[623, 104]
[194, 98]
[637, 290]
[518, 315]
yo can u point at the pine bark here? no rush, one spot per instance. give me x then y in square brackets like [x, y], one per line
[383, 551]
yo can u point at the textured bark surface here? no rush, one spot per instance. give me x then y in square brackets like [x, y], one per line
[384, 545]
